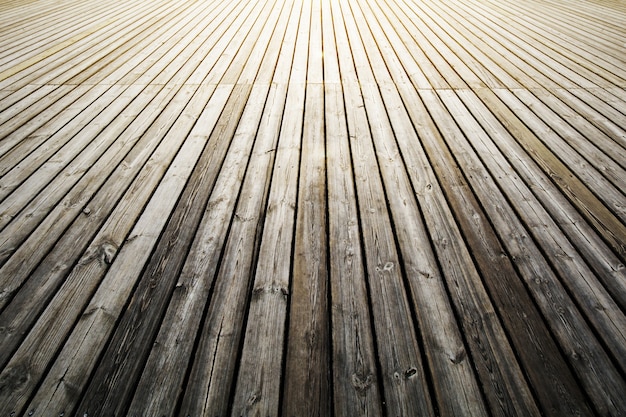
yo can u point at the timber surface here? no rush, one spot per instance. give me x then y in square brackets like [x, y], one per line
[312, 208]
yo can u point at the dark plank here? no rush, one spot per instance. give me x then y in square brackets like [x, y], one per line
[307, 374]
[357, 389]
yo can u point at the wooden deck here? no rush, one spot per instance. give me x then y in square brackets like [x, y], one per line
[312, 208]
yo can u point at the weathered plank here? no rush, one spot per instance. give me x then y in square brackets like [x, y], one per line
[80, 222]
[535, 267]
[402, 369]
[259, 379]
[357, 388]
[531, 339]
[581, 196]
[307, 374]
[210, 383]
[445, 348]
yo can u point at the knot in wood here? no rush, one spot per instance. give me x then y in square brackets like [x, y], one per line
[386, 267]
[271, 289]
[411, 372]
[361, 383]
[252, 399]
[459, 356]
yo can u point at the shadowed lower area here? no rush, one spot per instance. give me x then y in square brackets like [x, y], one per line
[312, 208]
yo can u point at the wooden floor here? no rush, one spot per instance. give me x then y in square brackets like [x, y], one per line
[312, 208]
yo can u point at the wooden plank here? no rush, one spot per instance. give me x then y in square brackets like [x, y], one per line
[587, 65]
[529, 261]
[574, 149]
[214, 63]
[306, 219]
[156, 390]
[590, 41]
[307, 387]
[214, 368]
[548, 399]
[561, 22]
[144, 62]
[470, 71]
[259, 378]
[43, 14]
[457, 283]
[307, 372]
[240, 47]
[470, 27]
[574, 128]
[596, 253]
[149, 302]
[141, 320]
[37, 182]
[258, 382]
[179, 63]
[23, 196]
[54, 28]
[56, 137]
[598, 13]
[79, 286]
[221, 205]
[613, 99]
[10, 97]
[356, 385]
[124, 65]
[357, 388]
[9, 75]
[607, 119]
[499, 48]
[20, 112]
[611, 197]
[191, 150]
[16, 12]
[401, 365]
[79, 354]
[455, 384]
[537, 353]
[525, 53]
[387, 39]
[468, 47]
[574, 273]
[92, 163]
[105, 57]
[60, 66]
[154, 394]
[20, 142]
[487, 351]
[402, 371]
[620, 93]
[54, 263]
[438, 71]
[210, 383]
[611, 229]
[418, 66]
